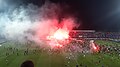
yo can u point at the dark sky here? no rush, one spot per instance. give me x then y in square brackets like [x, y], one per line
[99, 15]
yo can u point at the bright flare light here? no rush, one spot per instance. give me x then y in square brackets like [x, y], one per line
[56, 32]
[58, 38]
[94, 47]
[61, 34]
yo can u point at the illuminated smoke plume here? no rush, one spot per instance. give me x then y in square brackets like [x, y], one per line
[93, 47]
[37, 24]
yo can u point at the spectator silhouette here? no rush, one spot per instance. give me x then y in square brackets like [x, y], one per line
[27, 64]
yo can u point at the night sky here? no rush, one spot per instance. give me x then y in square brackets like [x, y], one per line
[99, 15]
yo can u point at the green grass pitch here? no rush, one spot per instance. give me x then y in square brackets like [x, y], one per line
[43, 59]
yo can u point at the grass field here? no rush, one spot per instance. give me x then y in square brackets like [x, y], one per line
[44, 59]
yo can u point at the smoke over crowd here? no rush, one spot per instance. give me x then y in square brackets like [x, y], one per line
[32, 22]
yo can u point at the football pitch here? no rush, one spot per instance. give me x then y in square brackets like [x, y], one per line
[15, 56]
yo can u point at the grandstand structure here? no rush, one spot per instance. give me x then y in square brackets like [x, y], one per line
[92, 34]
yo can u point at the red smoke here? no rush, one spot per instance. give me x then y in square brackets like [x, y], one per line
[55, 33]
[96, 48]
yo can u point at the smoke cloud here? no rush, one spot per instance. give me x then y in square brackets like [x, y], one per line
[32, 22]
